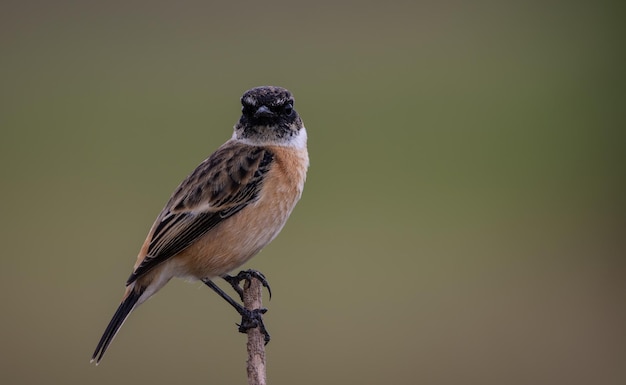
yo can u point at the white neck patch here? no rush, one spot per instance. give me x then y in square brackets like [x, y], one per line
[298, 142]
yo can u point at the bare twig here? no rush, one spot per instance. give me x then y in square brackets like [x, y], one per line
[252, 291]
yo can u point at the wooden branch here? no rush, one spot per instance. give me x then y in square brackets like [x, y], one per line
[252, 291]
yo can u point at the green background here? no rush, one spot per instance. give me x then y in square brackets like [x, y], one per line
[463, 219]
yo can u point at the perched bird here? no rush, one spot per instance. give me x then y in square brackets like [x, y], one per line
[230, 207]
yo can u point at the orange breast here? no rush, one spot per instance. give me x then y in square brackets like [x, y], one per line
[240, 237]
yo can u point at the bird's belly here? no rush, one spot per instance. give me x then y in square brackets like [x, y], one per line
[237, 239]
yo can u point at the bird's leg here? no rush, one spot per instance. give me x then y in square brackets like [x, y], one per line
[250, 319]
[247, 275]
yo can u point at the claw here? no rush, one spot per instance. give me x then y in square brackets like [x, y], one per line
[246, 275]
[251, 319]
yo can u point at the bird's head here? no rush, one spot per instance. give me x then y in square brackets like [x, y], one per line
[268, 117]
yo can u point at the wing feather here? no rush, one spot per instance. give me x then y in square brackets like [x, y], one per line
[222, 185]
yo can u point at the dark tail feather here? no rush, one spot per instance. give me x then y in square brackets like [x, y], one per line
[116, 323]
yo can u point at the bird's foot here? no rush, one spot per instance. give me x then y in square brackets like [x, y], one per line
[247, 275]
[251, 319]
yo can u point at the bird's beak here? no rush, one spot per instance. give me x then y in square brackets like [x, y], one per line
[263, 112]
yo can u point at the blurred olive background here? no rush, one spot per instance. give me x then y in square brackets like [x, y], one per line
[462, 222]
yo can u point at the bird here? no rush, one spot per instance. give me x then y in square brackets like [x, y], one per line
[223, 213]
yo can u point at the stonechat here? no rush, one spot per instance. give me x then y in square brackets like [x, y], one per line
[230, 207]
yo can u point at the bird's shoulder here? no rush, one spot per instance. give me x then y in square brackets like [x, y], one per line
[227, 178]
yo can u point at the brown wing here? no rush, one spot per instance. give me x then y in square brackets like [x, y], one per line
[226, 182]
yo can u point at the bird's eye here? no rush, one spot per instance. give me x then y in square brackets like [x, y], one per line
[247, 109]
[287, 109]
